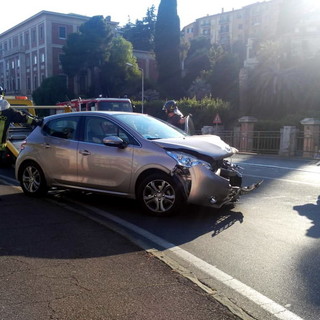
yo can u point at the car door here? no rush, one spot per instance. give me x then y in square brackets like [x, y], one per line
[101, 166]
[60, 149]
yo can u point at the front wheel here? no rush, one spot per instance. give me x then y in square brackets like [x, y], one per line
[160, 195]
[32, 180]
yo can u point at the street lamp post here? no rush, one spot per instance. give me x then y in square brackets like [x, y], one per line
[142, 89]
[142, 85]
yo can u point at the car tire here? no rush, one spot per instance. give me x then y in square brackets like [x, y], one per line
[160, 195]
[32, 180]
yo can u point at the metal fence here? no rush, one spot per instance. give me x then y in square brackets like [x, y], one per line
[265, 142]
[262, 142]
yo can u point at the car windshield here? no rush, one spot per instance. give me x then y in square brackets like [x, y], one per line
[149, 127]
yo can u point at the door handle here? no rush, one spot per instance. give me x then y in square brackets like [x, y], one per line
[46, 145]
[85, 152]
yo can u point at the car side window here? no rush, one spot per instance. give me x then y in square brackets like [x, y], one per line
[64, 128]
[96, 129]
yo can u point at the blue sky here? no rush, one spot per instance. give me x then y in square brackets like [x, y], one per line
[120, 10]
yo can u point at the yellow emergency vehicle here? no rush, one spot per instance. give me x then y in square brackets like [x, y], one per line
[17, 133]
[21, 102]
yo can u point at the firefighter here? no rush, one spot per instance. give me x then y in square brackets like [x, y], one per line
[9, 115]
[174, 115]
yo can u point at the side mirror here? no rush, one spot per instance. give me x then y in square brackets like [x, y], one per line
[114, 141]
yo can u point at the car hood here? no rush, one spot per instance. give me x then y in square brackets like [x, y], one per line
[207, 145]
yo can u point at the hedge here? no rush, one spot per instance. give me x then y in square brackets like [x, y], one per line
[203, 111]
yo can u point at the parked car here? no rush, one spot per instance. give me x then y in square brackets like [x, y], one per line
[131, 155]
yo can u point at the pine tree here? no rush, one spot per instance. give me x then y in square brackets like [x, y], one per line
[167, 49]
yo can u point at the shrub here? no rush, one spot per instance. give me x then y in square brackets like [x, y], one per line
[203, 111]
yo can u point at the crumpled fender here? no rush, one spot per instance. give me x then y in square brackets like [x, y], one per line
[205, 184]
[210, 189]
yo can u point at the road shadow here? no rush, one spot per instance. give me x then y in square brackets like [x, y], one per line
[40, 228]
[190, 223]
[309, 260]
[308, 267]
[46, 228]
[312, 212]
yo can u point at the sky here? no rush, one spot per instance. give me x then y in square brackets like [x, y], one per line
[119, 10]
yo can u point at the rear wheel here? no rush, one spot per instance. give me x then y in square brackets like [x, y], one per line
[32, 180]
[160, 195]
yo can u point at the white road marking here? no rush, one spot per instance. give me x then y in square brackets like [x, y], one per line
[284, 180]
[315, 170]
[262, 301]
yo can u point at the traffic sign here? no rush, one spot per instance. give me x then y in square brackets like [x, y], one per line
[217, 119]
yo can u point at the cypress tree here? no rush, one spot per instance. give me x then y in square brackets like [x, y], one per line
[167, 49]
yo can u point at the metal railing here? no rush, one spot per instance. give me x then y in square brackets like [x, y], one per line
[264, 142]
[288, 141]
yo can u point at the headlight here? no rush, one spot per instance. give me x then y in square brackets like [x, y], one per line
[188, 161]
[234, 150]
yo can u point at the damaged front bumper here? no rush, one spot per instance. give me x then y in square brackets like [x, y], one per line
[208, 188]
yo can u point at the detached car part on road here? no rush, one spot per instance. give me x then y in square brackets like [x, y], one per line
[131, 155]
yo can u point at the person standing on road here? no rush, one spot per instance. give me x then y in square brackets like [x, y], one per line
[174, 115]
[9, 115]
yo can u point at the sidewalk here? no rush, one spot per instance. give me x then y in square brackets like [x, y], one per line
[55, 264]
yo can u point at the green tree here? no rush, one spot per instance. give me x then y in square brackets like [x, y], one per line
[74, 57]
[141, 34]
[197, 60]
[51, 91]
[199, 88]
[223, 75]
[87, 50]
[277, 82]
[167, 49]
[116, 77]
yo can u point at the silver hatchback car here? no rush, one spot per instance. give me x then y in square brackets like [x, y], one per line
[131, 155]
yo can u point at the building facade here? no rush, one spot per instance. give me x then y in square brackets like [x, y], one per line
[30, 51]
[256, 23]
[227, 28]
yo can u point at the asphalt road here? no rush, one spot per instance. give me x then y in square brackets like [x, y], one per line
[57, 264]
[269, 242]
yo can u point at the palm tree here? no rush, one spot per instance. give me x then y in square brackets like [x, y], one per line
[276, 81]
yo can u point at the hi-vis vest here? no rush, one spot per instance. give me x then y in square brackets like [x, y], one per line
[8, 116]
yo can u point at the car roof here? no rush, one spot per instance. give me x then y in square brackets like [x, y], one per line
[90, 113]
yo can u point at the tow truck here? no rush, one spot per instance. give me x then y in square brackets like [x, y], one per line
[17, 133]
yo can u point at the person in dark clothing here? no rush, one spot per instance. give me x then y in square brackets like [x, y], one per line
[174, 115]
